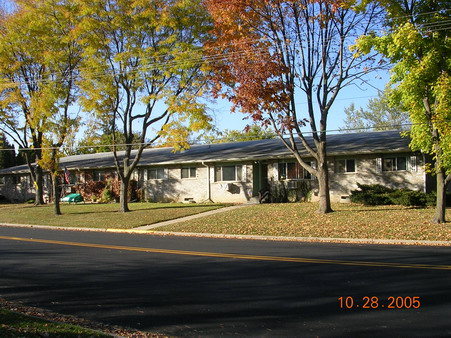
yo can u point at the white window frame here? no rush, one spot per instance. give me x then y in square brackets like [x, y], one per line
[303, 174]
[98, 176]
[158, 170]
[345, 166]
[395, 163]
[73, 177]
[191, 175]
[17, 179]
[411, 163]
[219, 172]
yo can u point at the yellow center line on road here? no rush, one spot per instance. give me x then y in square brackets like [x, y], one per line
[233, 256]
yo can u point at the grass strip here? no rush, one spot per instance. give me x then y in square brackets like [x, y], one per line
[302, 220]
[14, 324]
[100, 215]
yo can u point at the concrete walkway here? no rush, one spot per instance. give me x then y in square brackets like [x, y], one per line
[188, 218]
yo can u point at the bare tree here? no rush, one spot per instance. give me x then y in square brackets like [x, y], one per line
[281, 52]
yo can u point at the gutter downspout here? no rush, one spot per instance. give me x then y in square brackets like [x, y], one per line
[208, 182]
[425, 174]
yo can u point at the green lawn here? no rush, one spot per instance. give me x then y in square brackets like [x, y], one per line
[297, 219]
[301, 220]
[100, 215]
[14, 324]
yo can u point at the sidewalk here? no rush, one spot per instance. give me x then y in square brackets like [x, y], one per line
[189, 218]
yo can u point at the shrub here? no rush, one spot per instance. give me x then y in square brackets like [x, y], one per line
[107, 191]
[379, 195]
[374, 188]
[107, 195]
[409, 198]
[91, 190]
[3, 199]
[367, 198]
[283, 192]
[373, 194]
[431, 199]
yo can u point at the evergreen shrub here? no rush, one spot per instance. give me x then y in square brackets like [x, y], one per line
[377, 194]
[373, 194]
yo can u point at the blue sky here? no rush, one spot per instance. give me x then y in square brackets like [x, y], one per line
[359, 94]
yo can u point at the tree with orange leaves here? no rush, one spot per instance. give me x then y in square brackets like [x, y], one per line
[270, 53]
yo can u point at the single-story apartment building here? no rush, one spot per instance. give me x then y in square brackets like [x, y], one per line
[236, 172]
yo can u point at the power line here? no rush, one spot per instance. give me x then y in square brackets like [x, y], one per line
[191, 142]
[199, 59]
[97, 74]
[421, 14]
[158, 65]
[143, 67]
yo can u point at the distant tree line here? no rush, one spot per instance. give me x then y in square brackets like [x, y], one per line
[8, 155]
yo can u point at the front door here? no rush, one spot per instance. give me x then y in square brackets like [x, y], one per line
[260, 177]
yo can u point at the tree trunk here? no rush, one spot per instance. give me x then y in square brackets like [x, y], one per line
[36, 175]
[324, 194]
[56, 195]
[440, 207]
[124, 194]
[39, 186]
[323, 180]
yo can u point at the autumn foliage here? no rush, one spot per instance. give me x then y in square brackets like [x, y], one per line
[266, 54]
[247, 64]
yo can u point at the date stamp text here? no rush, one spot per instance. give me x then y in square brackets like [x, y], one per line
[375, 302]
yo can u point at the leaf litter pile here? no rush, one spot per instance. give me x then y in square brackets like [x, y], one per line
[302, 220]
[36, 322]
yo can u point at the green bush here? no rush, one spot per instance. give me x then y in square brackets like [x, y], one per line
[367, 198]
[373, 194]
[376, 194]
[409, 198]
[432, 199]
[374, 188]
[107, 195]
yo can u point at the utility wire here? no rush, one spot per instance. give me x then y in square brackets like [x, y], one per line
[421, 14]
[192, 142]
[153, 66]
[441, 25]
[156, 65]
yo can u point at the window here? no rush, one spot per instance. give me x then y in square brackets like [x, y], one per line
[98, 176]
[157, 174]
[2, 180]
[228, 173]
[73, 177]
[345, 166]
[21, 179]
[189, 172]
[394, 164]
[293, 171]
[17, 180]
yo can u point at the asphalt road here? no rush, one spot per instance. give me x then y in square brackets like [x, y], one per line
[212, 287]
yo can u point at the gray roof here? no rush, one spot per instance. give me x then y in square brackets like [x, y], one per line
[337, 144]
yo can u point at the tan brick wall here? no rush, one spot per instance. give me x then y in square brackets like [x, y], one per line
[19, 192]
[341, 184]
[176, 189]
[233, 192]
[203, 186]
